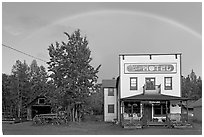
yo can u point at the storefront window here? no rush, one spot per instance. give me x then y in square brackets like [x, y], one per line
[136, 108]
[157, 109]
[160, 109]
[132, 107]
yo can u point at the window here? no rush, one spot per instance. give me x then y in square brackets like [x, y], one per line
[110, 91]
[132, 107]
[111, 108]
[41, 100]
[157, 109]
[168, 83]
[133, 83]
[136, 107]
[160, 109]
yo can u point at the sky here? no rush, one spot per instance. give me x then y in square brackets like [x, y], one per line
[111, 28]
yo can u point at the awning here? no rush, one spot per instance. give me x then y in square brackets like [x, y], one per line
[155, 97]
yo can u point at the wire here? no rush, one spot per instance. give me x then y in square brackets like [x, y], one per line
[23, 53]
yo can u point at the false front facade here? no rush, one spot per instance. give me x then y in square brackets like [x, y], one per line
[148, 88]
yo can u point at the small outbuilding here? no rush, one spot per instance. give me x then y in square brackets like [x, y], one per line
[197, 109]
[40, 105]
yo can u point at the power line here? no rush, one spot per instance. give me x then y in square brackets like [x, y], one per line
[24, 53]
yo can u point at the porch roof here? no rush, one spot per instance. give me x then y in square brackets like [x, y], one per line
[155, 97]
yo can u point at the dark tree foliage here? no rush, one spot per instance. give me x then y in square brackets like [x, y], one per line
[22, 86]
[7, 95]
[71, 70]
[96, 101]
[38, 80]
[20, 73]
[191, 86]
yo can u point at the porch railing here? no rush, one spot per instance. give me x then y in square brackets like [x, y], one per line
[154, 89]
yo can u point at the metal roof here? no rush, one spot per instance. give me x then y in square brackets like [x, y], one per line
[109, 83]
[153, 97]
[197, 103]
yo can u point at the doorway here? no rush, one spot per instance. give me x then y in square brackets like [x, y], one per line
[36, 110]
[148, 112]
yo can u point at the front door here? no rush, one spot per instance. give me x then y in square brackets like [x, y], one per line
[148, 112]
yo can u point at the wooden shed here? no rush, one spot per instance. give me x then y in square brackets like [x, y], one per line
[40, 105]
[197, 109]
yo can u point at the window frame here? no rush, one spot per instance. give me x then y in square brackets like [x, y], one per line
[162, 108]
[131, 83]
[39, 100]
[110, 91]
[166, 87]
[113, 106]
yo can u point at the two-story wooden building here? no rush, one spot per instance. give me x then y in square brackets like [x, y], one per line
[148, 87]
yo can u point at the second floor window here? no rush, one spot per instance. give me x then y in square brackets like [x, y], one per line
[133, 83]
[168, 83]
[110, 91]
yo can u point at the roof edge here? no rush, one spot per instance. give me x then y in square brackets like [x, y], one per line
[147, 54]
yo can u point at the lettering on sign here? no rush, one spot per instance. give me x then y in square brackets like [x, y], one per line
[150, 68]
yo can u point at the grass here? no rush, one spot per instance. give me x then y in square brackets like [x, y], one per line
[92, 128]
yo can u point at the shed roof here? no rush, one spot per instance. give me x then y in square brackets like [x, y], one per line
[197, 103]
[34, 100]
[109, 83]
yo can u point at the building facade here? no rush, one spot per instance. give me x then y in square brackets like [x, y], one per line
[148, 87]
[110, 100]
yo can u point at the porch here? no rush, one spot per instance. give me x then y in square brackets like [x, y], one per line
[151, 110]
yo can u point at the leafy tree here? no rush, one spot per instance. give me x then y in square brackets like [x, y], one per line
[72, 73]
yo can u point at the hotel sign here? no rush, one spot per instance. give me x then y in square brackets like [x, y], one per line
[150, 68]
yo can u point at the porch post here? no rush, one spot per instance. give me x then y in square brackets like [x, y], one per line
[167, 119]
[121, 113]
[187, 109]
[166, 109]
[141, 109]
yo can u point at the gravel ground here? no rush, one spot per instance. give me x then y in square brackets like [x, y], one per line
[92, 128]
